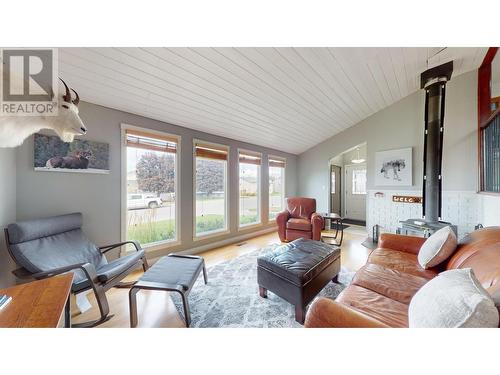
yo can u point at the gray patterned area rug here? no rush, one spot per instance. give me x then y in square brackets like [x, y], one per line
[231, 297]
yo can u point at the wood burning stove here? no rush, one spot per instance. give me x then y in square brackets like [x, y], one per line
[433, 81]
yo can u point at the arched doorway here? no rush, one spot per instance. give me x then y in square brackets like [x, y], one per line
[347, 190]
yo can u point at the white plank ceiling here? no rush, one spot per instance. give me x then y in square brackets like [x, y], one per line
[288, 99]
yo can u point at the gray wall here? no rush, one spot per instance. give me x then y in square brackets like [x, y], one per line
[43, 194]
[7, 210]
[398, 126]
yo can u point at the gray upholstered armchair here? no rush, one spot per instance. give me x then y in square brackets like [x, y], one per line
[55, 245]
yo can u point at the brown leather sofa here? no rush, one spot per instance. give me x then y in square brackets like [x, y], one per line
[299, 220]
[381, 290]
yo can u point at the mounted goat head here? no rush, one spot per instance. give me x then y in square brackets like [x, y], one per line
[67, 123]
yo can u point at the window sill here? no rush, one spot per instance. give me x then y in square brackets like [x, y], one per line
[155, 246]
[244, 227]
[212, 234]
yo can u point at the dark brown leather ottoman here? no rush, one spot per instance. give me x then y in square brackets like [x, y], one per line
[297, 272]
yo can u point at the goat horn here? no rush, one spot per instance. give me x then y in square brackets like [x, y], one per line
[67, 97]
[77, 99]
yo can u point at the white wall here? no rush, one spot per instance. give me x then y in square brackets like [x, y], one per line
[398, 126]
[7, 210]
[495, 89]
[495, 76]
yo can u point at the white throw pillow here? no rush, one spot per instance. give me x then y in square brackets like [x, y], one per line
[453, 299]
[437, 248]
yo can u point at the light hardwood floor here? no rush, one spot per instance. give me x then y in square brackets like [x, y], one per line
[156, 309]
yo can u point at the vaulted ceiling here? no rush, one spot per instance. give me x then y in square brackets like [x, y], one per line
[284, 98]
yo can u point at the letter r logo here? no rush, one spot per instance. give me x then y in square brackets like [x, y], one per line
[27, 75]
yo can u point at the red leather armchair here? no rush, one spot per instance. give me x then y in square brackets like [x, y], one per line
[299, 220]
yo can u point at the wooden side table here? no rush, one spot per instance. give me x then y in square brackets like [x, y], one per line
[331, 239]
[38, 304]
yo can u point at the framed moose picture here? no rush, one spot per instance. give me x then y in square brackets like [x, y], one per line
[394, 167]
[79, 156]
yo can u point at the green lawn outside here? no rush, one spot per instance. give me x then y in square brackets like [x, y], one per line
[163, 230]
[209, 223]
[248, 219]
[149, 232]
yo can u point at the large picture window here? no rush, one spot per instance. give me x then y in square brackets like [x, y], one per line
[249, 181]
[276, 186]
[151, 184]
[210, 182]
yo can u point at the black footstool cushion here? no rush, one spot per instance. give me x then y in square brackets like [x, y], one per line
[299, 261]
[297, 271]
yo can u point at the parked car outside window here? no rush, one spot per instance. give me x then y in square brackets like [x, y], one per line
[136, 201]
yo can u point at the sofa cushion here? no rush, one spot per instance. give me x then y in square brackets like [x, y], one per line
[375, 305]
[401, 261]
[389, 282]
[292, 234]
[299, 224]
[453, 299]
[479, 250]
[24, 231]
[437, 248]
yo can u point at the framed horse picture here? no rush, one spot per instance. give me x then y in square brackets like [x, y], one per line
[394, 167]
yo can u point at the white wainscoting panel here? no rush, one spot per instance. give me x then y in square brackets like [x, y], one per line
[462, 208]
[491, 210]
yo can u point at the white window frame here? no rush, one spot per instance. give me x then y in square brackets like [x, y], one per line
[217, 232]
[259, 192]
[161, 244]
[283, 200]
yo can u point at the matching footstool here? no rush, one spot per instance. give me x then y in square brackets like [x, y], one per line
[172, 273]
[298, 271]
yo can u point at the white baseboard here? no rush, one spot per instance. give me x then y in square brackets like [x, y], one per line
[225, 242]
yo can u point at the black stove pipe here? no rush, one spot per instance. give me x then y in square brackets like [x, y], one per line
[434, 82]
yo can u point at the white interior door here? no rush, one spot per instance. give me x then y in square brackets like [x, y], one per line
[355, 192]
